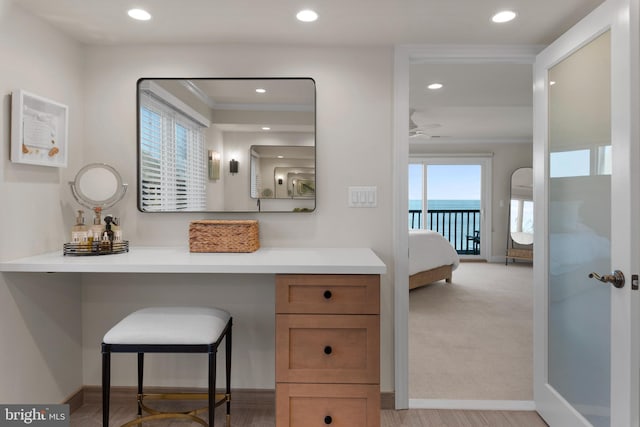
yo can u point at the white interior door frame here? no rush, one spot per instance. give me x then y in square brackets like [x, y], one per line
[404, 55]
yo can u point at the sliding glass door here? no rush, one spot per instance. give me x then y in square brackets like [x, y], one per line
[447, 195]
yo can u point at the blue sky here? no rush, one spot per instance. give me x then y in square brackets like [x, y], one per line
[446, 182]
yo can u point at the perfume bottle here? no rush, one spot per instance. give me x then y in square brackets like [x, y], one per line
[97, 229]
[105, 243]
[79, 232]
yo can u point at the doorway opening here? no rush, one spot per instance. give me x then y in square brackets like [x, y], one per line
[470, 339]
[438, 145]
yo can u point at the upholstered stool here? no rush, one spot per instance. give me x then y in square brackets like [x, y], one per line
[170, 330]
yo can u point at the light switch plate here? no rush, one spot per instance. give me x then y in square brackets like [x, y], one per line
[363, 197]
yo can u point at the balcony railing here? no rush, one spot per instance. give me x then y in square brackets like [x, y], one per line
[461, 227]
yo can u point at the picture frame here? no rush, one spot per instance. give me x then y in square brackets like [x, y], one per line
[39, 130]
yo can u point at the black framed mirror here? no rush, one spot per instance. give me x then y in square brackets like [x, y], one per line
[223, 144]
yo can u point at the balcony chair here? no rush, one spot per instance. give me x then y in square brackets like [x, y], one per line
[475, 239]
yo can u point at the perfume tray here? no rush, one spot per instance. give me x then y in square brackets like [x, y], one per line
[95, 248]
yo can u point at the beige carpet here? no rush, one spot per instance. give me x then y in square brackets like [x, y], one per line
[472, 338]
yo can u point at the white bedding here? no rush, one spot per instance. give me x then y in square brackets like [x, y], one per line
[429, 249]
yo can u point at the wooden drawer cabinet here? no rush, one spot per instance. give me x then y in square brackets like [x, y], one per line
[327, 350]
[322, 405]
[328, 294]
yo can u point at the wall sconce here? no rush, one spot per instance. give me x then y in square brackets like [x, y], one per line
[214, 165]
[233, 166]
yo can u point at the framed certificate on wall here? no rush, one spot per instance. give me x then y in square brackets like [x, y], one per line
[39, 130]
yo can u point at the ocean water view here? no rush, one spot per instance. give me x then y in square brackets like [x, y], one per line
[446, 204]
[456, 227]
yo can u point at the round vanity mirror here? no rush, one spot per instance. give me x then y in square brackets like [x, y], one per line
[98, 185]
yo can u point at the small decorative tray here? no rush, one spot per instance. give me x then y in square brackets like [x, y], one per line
[95, 248]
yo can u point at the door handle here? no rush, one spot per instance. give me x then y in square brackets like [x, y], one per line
[616, 278]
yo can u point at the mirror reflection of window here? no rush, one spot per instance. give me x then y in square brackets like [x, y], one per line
[256, 178]
[521, 216]
[173, 155]
[574, 163]
[563, 164]
[604, 160]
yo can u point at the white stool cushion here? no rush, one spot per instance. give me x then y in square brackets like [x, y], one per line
[169, 325]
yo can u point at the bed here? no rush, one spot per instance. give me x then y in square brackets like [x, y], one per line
[431, 258]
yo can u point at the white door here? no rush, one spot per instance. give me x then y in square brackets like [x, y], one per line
[586, 153]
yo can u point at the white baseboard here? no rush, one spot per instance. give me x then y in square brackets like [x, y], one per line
[249, 398]
[481, 405]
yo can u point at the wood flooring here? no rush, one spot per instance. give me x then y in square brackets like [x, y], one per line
[90, 415]
[460, 418]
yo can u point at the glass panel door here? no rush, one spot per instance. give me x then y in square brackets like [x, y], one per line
[586, 187]
[579, 233]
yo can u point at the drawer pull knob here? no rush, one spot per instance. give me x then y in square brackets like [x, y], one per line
[327, 294]
[328, 419]
[328, 350]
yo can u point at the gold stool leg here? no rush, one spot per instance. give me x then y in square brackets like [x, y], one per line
[151, 414]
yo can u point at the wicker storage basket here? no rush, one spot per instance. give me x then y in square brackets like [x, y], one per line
[520, 253]
[223, 236]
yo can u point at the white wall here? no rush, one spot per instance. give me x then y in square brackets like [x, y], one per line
[507, 157]
[40, 323]
[354, 105]
[46, 319]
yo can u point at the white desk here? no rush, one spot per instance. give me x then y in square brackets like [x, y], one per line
[343, 267]
[180, 260]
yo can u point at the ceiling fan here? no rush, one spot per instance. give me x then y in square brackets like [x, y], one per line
[422, 131]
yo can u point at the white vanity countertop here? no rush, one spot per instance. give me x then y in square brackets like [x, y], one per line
[180, 260]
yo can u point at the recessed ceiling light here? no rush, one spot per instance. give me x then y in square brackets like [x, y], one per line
[139, 14]
[281, 157]
[503, 16]
[260, 90]
[266, 128]
[435, 86]
[307, 15]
